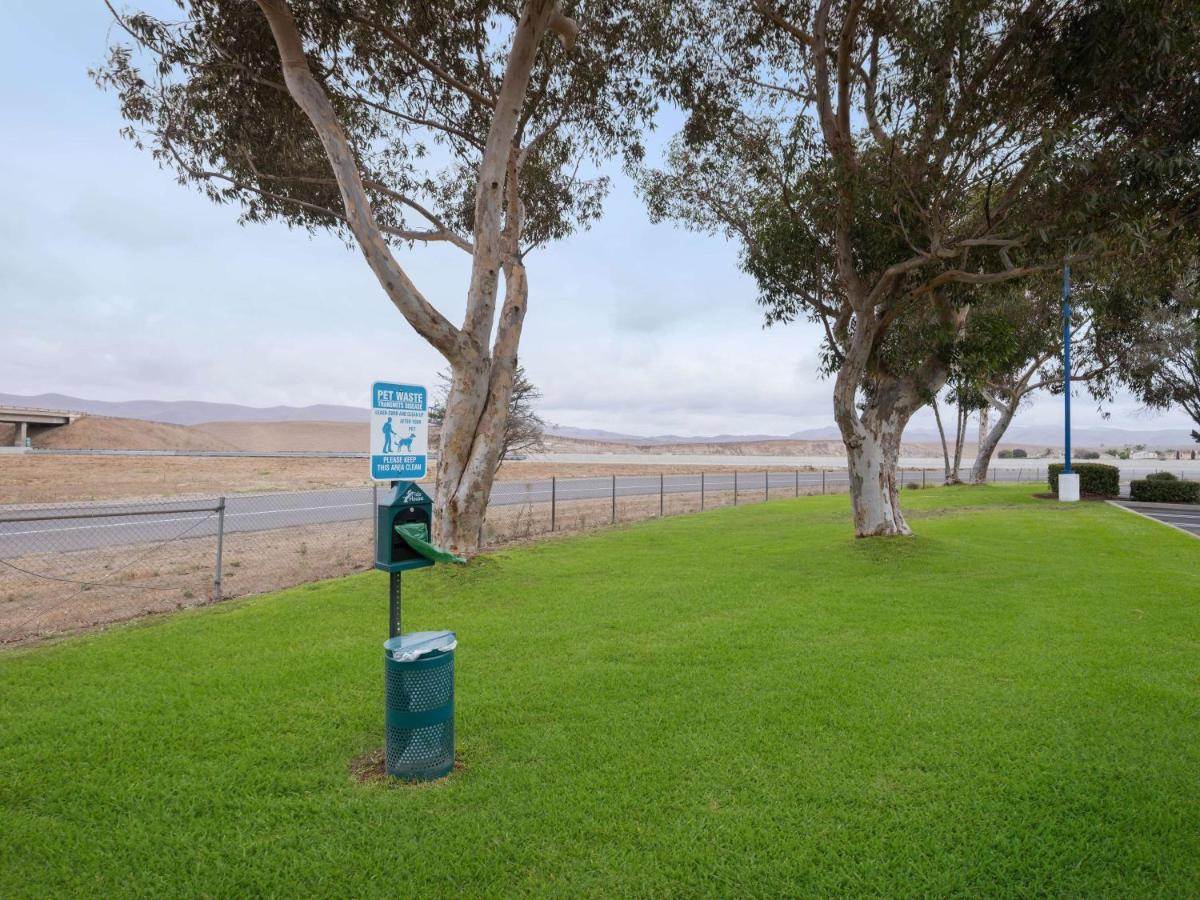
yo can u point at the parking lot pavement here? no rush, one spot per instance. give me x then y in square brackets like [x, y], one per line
[1185, 517]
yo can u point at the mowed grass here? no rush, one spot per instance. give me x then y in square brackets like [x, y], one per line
[744, 702]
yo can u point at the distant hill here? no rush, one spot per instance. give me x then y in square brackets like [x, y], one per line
[191, 412]
[221, 419]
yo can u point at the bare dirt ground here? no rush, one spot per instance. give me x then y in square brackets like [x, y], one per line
[349, 437]
[50, 594]
[68, 479]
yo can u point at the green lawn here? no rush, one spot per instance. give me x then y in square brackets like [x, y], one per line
[743, 702]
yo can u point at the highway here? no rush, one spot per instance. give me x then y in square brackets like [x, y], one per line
[44, 529]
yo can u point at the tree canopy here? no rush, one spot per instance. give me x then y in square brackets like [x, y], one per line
[413, 85]
[879, 161]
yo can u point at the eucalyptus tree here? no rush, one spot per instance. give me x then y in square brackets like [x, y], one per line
[1014, 345]
[878, 159]
[393, 123]
[1166, 373]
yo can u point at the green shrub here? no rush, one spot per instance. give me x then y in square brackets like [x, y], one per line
[1162, 490]
[1006, 454]
[1161, 476]
[1018, 453]
[1095, 479]
[1086, 454]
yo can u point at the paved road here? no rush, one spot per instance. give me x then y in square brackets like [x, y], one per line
[88, 526]
[1183, 517]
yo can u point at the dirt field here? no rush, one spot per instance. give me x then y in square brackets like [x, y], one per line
[59, 479]
[347, 437]
[58, 593]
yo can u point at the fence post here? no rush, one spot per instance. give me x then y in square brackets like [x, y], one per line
[702, 492]
[922, 478]
[797, 483]
[767, 485]
[216, 595]
[735, 487]
[553, 499]
[993, 476]
[614, 499]
[660, 495]
[822, 481]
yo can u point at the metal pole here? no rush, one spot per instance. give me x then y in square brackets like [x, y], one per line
[614, 499]
[1066, 313]
[553, 498]
[660, 495]
[220, 548]
[393, 604]
[767, 485]
[922, 479]
[797, 483]
[822, 481]
[735, 487]
[701, 491]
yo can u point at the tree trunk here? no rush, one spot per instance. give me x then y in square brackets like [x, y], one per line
[988, 443]
[874, 491]
[937, 416]
[872, 438]
[473, 429]
[960, 436]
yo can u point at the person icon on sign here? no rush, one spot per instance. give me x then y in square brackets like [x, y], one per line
[387, 435]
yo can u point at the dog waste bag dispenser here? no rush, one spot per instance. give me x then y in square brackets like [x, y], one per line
[407, 505]
[418, 667]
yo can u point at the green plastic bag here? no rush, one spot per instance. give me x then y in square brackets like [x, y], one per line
[416, 535]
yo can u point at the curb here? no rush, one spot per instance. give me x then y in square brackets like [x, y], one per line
[1137, 512]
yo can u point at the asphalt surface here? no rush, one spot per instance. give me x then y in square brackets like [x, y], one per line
[1183, 517]
[46, 529]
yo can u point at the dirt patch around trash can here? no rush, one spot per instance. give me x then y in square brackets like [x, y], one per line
[370, 769]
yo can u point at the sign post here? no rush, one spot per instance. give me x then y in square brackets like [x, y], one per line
[399, 452]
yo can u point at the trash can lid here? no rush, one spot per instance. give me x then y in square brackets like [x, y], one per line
[416, 644]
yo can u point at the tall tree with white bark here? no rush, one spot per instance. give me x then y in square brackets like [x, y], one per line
[394, 123]
[877, 159]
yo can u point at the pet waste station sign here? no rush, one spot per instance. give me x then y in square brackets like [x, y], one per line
[399, 431]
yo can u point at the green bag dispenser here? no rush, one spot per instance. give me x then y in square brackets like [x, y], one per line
[407, 504]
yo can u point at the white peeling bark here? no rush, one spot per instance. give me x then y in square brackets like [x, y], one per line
[872, 435]
[872, 438]
[989, 442]
[874, 490]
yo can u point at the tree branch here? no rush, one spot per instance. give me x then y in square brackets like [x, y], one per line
[360, 218]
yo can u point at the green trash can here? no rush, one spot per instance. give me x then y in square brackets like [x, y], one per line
[419, 695]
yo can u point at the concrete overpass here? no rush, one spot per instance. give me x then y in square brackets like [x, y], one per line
[30, 421]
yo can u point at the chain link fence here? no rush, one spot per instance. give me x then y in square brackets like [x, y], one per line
[63, 568]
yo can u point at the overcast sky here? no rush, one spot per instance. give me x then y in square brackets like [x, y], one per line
[118, 284]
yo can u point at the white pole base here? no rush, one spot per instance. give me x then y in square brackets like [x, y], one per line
[1068, 487]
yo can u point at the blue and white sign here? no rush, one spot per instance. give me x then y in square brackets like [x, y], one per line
[399, 431]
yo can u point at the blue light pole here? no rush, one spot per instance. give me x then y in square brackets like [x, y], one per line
[1066, 313]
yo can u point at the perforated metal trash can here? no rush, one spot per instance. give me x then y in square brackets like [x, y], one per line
[419, 695]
